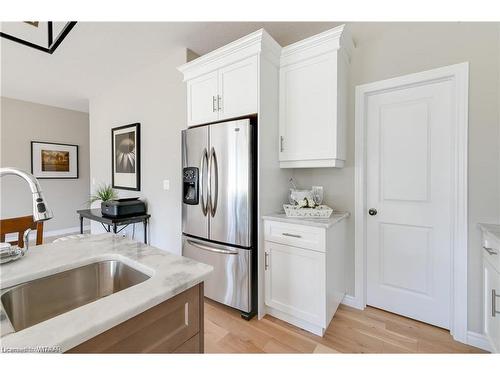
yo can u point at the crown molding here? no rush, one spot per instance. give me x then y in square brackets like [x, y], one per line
[257, 42]
[338, 38]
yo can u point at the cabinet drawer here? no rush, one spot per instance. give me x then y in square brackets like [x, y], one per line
[303, 236]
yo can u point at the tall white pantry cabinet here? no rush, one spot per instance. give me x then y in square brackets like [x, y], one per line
[298, 95]
[241, 79]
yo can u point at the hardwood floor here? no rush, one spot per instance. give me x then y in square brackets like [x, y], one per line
[351, 331]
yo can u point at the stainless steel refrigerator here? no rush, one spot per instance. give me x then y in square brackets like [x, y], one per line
[217, 209]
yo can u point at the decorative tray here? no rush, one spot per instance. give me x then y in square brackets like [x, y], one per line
[320, 212]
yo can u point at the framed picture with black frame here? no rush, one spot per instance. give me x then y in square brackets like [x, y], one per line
[54, 160]
[126, 157]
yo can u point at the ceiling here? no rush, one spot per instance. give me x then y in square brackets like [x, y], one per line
[96, 54]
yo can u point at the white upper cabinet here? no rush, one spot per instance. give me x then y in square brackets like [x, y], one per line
[202, 99]
[312, 100]
[238, 88]
[224, 84]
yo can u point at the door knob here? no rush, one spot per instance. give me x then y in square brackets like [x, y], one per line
[372, 211]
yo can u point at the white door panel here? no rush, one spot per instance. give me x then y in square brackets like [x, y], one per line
[409, 182]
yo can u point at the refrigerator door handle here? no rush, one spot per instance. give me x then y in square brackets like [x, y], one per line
[212, 248]
[213, 163]
[203, 162]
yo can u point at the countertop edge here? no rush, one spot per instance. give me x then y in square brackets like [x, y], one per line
[313, 222]
[492, 229]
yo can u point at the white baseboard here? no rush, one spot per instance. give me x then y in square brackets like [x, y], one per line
[351, 301]
[50, 233]
[478, 340]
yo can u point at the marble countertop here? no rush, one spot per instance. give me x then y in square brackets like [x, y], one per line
[490, 238]
[492, 229]
[169, 275]
[322, 223]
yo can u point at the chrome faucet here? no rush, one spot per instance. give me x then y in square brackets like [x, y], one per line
[40, 213]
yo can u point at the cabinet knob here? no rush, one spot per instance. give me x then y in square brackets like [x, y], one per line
[372, 211]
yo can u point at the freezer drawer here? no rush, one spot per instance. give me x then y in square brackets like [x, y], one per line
[229, 283]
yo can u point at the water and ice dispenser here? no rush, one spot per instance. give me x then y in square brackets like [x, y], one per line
[190, 185]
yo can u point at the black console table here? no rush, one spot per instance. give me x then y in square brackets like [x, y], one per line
[114, 222]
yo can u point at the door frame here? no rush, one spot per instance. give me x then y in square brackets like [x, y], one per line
[459, 74]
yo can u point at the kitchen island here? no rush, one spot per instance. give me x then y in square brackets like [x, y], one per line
[162, 312]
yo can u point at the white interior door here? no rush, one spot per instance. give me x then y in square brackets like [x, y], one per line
[409, 183]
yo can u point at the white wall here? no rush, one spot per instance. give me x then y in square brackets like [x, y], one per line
[23, 122]
[156, 98]
[386, 50]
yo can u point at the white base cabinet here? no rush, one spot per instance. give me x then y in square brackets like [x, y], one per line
[491, 284]
[492, 305]
[304, 272]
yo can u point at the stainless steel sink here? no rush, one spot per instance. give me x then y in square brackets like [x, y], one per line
[38, 300]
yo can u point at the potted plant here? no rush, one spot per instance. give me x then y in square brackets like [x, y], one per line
[103, 193]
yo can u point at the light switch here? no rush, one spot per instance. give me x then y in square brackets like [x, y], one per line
[166, 184]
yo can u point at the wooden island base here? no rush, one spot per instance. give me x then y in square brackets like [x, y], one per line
[174, 326]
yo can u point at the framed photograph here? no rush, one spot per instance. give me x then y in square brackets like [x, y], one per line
[54, 160]
[126, 157]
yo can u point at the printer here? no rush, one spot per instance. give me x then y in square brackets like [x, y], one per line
[123, 207]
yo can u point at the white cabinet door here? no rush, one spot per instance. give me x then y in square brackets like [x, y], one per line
[202, 99]
[492, 305]
[308, 109]
[238, 88]
[295, 282]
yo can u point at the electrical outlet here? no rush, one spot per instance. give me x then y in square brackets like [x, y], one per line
[166, 184]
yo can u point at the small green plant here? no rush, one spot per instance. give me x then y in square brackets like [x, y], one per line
[103, 193]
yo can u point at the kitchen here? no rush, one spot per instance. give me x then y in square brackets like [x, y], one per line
[238, 118]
